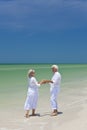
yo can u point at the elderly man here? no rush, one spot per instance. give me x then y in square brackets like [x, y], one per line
[54, 89]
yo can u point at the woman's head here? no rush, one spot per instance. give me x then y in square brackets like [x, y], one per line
[31, 73]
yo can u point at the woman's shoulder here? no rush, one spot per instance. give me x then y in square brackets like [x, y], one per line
[33, 78]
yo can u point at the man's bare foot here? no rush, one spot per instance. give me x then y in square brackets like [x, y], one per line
[54, 113]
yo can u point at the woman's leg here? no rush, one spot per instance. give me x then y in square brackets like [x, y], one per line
[27, 114]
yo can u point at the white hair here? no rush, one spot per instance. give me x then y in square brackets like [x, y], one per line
[30, 71]
[54, 66]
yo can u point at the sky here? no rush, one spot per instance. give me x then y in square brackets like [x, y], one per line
[43, 31]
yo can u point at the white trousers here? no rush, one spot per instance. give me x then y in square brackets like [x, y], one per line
[53, 98]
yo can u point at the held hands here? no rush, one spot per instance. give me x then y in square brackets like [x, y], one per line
[45, 81]
[42, 82]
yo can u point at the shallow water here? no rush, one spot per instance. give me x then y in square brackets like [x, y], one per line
[13, 78]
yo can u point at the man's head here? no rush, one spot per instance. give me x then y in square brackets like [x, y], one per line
[54, 68]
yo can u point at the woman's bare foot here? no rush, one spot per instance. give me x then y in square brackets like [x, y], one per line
[26, 115]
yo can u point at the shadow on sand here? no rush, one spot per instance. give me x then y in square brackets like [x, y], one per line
[48, 114]
[44, 114]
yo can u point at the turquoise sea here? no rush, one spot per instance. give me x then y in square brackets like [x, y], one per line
[13, 80]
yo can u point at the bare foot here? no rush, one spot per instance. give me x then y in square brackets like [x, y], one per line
[26, 115]
[54, 113]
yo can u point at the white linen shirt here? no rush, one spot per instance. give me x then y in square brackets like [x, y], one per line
[56, 80]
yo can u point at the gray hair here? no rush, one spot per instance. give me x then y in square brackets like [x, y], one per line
[54, 66]
[30, 71]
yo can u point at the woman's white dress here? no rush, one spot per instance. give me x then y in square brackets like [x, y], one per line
[32, 94]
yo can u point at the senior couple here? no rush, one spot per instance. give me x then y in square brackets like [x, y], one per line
[32, 93]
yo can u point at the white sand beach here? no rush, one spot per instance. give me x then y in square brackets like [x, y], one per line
[72, 112]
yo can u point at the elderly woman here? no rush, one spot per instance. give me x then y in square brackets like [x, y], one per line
[32, 94]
